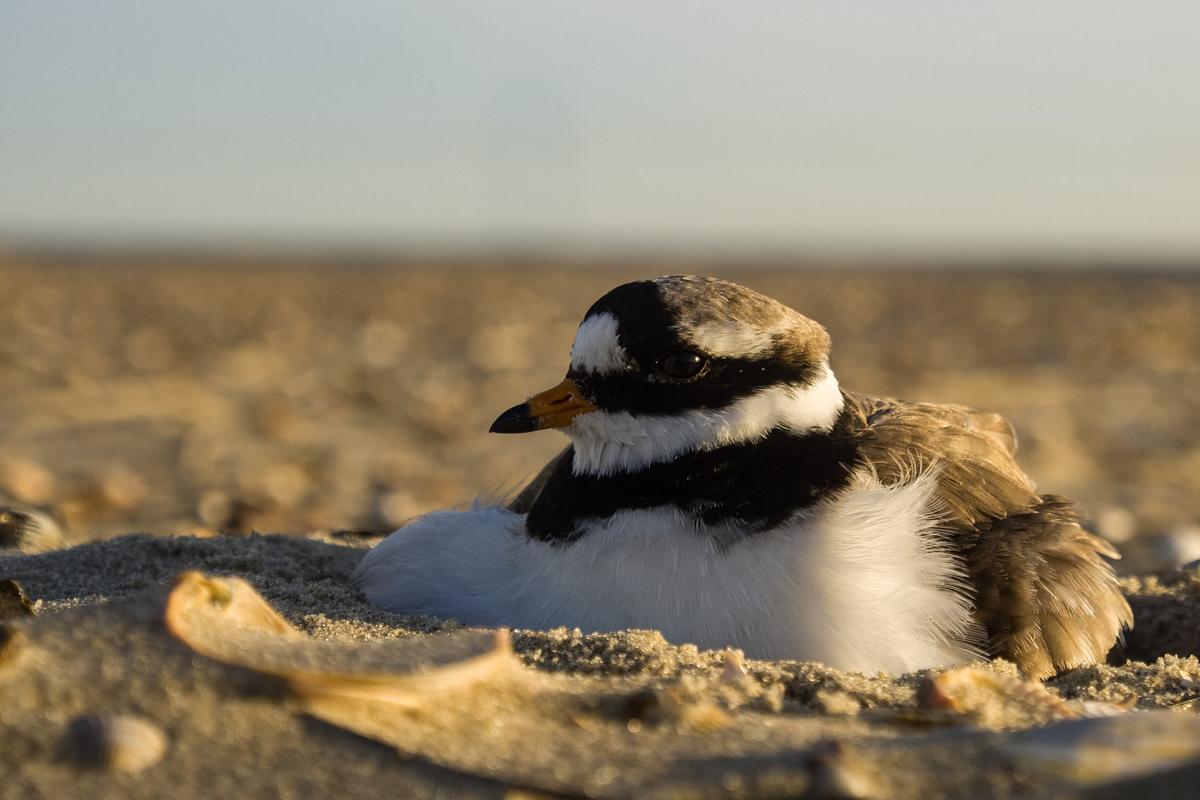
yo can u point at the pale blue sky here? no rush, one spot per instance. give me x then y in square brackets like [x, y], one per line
[897, 126]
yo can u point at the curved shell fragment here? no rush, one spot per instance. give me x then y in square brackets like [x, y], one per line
[226, 620]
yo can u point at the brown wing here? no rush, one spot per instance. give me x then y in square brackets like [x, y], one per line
[1044, 593]
[974, 450]
[524, 501]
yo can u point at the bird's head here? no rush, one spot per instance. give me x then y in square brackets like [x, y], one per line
[679, 364]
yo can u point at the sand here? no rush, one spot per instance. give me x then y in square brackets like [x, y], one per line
[606, 715]
[189, 396]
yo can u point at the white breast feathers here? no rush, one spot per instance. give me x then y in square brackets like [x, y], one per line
[862, 582]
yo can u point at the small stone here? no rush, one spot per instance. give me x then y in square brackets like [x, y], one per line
[118, 743]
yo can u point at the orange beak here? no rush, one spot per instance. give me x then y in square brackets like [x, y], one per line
[552, 408]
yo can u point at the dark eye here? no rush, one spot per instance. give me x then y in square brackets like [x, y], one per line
[683, 364]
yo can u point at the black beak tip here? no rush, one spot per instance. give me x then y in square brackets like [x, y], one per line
[516, 420]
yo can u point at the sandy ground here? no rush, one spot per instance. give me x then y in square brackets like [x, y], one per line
[612, 715]
[198, 400]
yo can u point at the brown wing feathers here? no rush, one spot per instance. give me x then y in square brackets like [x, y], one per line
[1044, 593]
[980, 479]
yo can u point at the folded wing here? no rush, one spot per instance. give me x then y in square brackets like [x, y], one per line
[1044, 593]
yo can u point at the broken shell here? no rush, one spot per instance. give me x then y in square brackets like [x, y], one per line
[208, 614]
[119, 742]
[995, 700]
[226, 620]
[962, 689]
[991, 698]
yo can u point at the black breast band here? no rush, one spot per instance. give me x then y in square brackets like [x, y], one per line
[757, 485]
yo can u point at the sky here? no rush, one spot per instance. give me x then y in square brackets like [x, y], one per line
[904, 127]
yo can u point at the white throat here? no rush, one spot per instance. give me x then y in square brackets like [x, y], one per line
[610, 442]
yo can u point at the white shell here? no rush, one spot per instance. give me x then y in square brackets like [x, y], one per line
[118, 742]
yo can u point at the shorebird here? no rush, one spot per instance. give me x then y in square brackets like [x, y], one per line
[722, 488]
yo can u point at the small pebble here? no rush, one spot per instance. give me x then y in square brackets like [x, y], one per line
[118, 743]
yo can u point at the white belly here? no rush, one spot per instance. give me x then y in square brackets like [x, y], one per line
[861, 583]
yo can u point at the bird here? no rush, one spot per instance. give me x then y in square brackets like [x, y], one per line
[721, 487]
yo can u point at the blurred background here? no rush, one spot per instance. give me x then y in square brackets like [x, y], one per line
[276, 266]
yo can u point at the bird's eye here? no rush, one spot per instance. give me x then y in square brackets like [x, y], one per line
[684, 364]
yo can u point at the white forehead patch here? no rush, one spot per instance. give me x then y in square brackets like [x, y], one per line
[596, 347]
[731, 339]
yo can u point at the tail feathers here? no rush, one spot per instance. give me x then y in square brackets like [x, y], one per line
[1045, 594]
